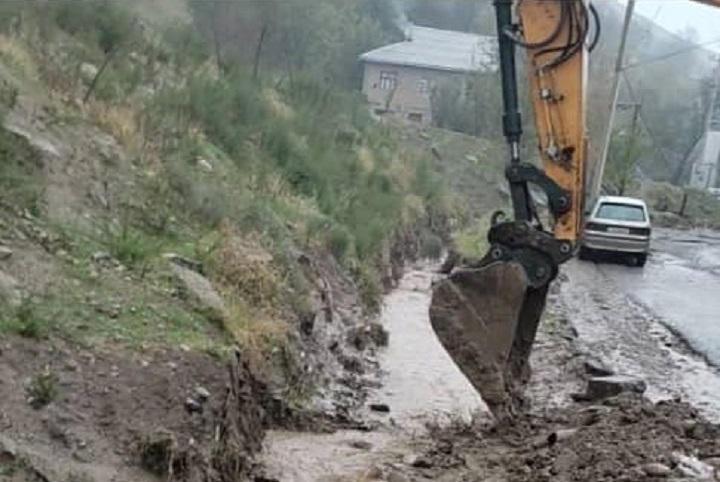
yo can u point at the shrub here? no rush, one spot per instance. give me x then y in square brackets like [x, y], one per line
[43, 389]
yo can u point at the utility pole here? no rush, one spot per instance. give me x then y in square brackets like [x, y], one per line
[709, 122]
[600, 168]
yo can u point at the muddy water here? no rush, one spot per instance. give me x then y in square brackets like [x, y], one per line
[421, 381]
[630, 317]
[420, 384]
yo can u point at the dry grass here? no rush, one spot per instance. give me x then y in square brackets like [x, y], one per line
[254, 330]
[242, 264]
[123, 122]
[18, 56]
[366, 158]
[278, 108]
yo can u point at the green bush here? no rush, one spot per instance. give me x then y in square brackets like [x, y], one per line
[130, 246]
[19, 170]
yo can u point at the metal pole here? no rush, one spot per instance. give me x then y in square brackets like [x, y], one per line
[600, 168]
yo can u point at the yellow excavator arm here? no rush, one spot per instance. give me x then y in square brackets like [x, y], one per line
[486, 313]
[712, 3]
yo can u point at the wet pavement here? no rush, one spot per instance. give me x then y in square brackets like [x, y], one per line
[649, 322]
[681, 284]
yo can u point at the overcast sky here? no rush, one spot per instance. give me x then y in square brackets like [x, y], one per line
[676, 15]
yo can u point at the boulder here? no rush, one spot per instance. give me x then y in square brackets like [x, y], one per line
[606, 387]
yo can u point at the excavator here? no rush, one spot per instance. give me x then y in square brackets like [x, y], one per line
[486, 312]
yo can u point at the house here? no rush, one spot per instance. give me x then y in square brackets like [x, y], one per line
[398, 79]
[706, 153]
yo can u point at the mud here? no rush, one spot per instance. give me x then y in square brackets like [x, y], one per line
[106, 417]
[630, 339]
[624, 439]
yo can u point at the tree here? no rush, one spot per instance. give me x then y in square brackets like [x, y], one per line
[115, 28]
[626, 150]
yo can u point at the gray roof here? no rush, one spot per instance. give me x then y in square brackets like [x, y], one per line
[438, 49]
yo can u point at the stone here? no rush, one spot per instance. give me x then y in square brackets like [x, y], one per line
[472, 158]
[657, 470]
[5, 252]
[360, 445]
[199, 288]
[88, 71]
[204, 165]
[183, 262]
[396, 476]
[606, 387]
[192, 405]
[202, 393]
[597, 368]
[380, 407]
[415, 460]
[100, 256]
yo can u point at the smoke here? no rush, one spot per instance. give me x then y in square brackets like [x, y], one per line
[401, 18]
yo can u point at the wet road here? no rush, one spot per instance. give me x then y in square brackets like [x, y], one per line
[681, 285]
[638, 319]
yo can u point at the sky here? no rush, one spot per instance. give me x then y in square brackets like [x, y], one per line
[676, 15]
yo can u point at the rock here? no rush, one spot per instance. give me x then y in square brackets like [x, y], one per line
[360, 444]
[192, 405]
[692, 467]
[88, 71]
[372, 334]
[396, 476]
[5, 252]
[202, 394]
[419, 461]
[204, 165]
[606, 387]
[657, 470]
[597, 368]
[471, 158]
[100, 256]
[199, 288]
[380, 407]
[560, 436]
[183, 262]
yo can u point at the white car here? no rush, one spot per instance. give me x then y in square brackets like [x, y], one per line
[619, 225]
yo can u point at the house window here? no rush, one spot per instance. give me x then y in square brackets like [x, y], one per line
[388, 80]
[415, 117]
[424, 86]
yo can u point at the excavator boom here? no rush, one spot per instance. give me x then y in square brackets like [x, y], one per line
[486, 312]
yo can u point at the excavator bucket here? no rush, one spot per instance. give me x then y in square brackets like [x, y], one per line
[486, 319]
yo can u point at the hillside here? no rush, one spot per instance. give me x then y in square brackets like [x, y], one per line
[192, 249]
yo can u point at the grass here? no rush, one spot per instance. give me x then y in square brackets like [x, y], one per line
[43, 389]
[472, 241]
[19, 173]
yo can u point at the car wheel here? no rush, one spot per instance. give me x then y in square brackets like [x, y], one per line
[640, 260]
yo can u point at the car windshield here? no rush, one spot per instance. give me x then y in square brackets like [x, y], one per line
[621, 212]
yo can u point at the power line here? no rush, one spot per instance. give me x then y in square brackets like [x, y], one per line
[655, 144]
[672, 54]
